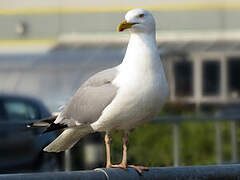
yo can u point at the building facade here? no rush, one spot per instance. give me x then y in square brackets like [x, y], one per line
[199, 41]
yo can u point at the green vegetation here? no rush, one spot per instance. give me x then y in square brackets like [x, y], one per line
[151, 145]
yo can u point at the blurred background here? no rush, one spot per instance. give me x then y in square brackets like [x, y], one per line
[48, 48]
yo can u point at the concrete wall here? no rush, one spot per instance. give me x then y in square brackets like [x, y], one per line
[116, 4]
[51, 19]
[53, 77]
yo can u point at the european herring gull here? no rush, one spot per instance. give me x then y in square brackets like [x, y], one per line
[119, 98]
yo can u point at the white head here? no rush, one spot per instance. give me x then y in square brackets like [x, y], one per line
[138, 20]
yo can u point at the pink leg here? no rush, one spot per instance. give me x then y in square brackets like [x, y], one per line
[108, 153]
[123, 164]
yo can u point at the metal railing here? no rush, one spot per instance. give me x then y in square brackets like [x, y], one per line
[177, 120]
[176, 134]
[220, 172]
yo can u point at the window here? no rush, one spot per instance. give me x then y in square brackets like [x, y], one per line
[211, 77]
[18, 110]
[3, 115]
[183, 74]
[234, 76]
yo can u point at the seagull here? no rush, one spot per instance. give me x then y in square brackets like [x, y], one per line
[119, 98]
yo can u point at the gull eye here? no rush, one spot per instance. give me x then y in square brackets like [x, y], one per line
[141, 15]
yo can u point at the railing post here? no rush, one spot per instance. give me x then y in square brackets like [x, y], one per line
[176, 148]
[67, 160]
[218, 142]
[220, 172]
[234, 141]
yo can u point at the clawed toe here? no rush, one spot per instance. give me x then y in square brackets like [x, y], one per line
[139, 169]
[122, 166]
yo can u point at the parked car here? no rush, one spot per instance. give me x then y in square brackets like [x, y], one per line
[230, 111]
[21, 147]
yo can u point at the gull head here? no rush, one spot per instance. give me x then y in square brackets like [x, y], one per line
[138, 20]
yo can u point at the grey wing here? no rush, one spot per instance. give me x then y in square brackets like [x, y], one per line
[90, 100]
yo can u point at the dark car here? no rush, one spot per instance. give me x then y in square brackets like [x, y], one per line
[21, 147]
[231, 111]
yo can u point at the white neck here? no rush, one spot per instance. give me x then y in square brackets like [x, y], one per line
[141, 62]
[142, 42]
[141, 51]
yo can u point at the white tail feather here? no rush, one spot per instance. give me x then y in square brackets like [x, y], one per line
[67, 139]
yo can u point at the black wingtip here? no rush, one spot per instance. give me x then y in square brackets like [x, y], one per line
[54, 127]
[29, 125]
[42, 122]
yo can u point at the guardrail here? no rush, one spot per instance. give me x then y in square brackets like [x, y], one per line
[219, 172]
[176, 120]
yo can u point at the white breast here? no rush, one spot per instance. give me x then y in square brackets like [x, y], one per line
[142, 90]
[139, 98]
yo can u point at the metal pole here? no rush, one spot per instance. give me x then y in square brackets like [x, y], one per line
[218, 142]
[176, 148]
[222, 172]
[67, 160]
[234, 141]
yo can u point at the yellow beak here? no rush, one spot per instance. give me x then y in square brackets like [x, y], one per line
[125, 25]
